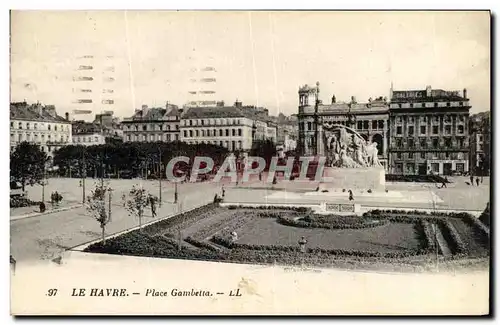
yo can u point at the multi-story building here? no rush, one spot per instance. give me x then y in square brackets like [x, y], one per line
[232, 127]
[428, 132]
[39, 125]
[91, 134]
[480, 150]
[153, 124]
[369, 119]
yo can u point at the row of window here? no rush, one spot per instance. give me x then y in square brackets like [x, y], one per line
[433, 104]
[42, 148]
[89, 139]
[213, 133]
[37, 126]
[422, 168]
[375, 125]
[231, 145]
[460, 129]
[222, 121]
[433, 118]
[430, 155]
[36, 137]
[152, 137]
[151, 127]
[447, 143]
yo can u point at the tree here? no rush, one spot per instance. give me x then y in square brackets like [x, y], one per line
[96, 205]
[137, 202]
[27, 164]
[265, 149]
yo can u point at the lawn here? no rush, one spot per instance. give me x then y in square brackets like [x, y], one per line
[386, 238]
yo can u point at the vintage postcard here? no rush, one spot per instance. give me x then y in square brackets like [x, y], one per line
[250, 162]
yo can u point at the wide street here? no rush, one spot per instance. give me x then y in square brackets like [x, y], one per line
[45, 236]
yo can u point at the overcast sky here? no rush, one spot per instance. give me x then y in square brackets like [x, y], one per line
[261, 57]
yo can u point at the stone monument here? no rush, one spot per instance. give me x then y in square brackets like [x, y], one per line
[351, 162]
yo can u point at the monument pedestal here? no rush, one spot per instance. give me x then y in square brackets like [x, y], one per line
[369, 178]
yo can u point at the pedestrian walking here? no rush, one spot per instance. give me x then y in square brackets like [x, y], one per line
[223, 191]
[443, 184]
[152, 201]
[471, 179]
[477, 181]
[351, 196]
[124, 199]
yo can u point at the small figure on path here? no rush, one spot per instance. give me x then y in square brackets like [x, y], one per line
[223, 191]
[42, 207]
[477, 181]
[302, 244]
[443, 183]
[152, 201]
[351, 196]
[124, 199]
[471, 179]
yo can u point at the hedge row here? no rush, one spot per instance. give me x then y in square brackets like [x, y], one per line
[451, 235]
[334, 223]
[426, 235]
[200, 244]
[482, 229]
[19, 202]
[228, 243]
[461, 215]
[175, 220]
[271, 207]
[137, 243]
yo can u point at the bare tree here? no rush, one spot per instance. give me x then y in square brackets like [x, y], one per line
[137, 202]
[96, 206]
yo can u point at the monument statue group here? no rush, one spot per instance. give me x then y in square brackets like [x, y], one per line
[346, 148]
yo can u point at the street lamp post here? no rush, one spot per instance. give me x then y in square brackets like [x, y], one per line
[43, 181]
[160, 174]
[176, 194]
[84, 175]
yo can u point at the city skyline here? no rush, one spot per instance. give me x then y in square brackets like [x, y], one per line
[261, 57]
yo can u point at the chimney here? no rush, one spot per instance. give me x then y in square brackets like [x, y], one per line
[238, 104]
[465, 93]
[428, 91]
[66, 115]
[353, 99]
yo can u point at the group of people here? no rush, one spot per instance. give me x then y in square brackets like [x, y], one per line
[477, 180]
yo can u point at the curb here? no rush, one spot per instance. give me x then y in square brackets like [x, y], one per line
[81, 247]
[37, 214]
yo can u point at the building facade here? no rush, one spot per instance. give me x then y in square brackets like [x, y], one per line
[91, 134]
[228, 126]
[480, 148]
[429, 132]
[38, 124]
[152, 125]
[369, 119]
